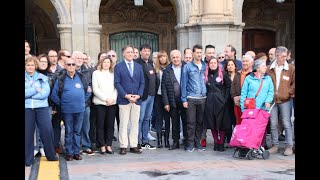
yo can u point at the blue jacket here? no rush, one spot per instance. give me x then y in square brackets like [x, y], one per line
[73, 96]
[193, 81]
[33, 98]
[125, 84]
[250, 87]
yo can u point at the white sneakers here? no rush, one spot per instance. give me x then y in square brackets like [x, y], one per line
[35, 152]
[150, 137]
[42, 152]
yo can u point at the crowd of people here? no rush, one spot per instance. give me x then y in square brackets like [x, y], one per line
[173, 93]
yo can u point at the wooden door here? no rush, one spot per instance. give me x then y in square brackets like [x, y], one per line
[257, 40]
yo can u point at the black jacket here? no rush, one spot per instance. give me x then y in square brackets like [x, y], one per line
[147, 77]
[167, 88]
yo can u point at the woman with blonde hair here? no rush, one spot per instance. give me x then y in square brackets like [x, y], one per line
[104, 98]
[161, 63]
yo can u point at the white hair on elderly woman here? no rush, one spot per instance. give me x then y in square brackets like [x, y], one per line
[258, 63]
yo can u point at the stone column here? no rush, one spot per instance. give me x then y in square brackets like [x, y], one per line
[65, 36]
[212, 22]
[94, 41]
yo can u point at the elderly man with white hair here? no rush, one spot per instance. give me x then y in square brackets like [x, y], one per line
[247, 63]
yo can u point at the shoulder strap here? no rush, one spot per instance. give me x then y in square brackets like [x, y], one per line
[259, 88]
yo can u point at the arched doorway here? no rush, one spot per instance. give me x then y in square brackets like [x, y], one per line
[40, 26]
[134, 38]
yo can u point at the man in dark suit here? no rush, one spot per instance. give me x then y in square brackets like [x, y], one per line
[129, 82]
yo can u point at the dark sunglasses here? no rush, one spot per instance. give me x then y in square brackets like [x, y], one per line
[66, 56]
[71, 64]
[220, 57]
[111, 55]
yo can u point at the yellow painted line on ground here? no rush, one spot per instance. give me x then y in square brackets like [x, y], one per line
[48, 170]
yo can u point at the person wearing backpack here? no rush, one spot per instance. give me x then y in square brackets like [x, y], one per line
[69, 93]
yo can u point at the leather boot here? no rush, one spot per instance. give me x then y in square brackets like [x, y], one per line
[166, 140]
[159, 139]
[175, 145]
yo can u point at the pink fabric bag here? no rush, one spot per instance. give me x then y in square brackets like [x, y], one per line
[250, 132]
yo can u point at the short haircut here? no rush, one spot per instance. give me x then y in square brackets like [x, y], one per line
[209, 46]
[248, 56]
[233, 49]
[197, 46]
[280, 49]
[145, 46]
[184, 51]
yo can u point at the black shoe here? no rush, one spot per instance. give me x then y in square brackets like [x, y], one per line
[220, 147]
[109, 152]
[139, 146]
[123, 151]
[135, 150]
[114, 138]
[69, 157]
[55, 158]
[77, 157]
[281, 137]
[175, 145]
[215, 147]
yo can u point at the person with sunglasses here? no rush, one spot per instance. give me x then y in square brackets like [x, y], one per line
[63, 54]
[70, 95]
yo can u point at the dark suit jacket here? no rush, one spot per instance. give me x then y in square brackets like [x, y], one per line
[125, 84]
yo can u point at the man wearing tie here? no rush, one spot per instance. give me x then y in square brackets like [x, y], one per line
[129, 82]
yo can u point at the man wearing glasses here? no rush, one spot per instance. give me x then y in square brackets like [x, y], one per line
[70, 94]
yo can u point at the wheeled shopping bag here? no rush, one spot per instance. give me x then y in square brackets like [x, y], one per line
[247, 137]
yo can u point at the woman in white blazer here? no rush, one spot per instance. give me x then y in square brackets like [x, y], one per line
[104, 99]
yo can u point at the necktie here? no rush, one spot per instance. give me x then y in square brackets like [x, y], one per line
[130, 69]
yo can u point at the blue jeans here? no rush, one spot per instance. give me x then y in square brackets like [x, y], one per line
[73, 124]
[144, 120]
[284, 110]
[85, 139]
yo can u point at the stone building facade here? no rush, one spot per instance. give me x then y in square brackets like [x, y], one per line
[88, 25]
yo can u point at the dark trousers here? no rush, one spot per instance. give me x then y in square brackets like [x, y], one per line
[93, 122]
[194, 117]
[41, 117]
[117, 117]
[176, 113]
[56, 124]
[161, 114]
[105, 124]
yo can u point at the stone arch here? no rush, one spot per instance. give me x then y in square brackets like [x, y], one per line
[237, 10]
[183, 8]
[62, 10]
[93, 10]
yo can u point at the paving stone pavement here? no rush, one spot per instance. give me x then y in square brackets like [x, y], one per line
[178, 164]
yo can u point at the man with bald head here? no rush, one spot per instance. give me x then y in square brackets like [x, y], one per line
[271, 55]
[251, 53]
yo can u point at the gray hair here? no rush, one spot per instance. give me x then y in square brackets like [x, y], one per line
[248, 56]
[257, 64]
[280, 50]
